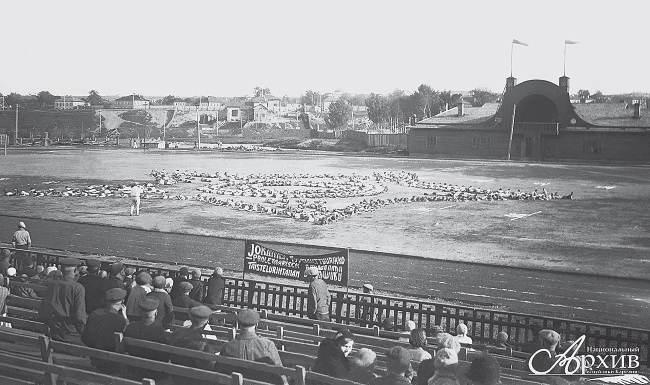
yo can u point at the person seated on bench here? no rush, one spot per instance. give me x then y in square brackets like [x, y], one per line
[63, 307]
[332, 355]
[446, 364]
[484, 370]
[185, 301]
[363, 366]
[545, 360]
[103, 324]
[251, 347]
[398, 363]
[502, 340]
[446, 340]
[461, 335]
[165, 315]
[216, 284]
[138, 294]
[418, 340]
[147, 330]
[192, 338]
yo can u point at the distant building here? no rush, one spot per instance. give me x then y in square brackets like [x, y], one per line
[536, 121]
[70, 103]
[179, 104]
[136, 102]
[210, 103]
[236, 112]
[262, 114]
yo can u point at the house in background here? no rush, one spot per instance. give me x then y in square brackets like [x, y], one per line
[179, 104]
[70, 103]
[132, 102]
[210, 103]
[236, 112]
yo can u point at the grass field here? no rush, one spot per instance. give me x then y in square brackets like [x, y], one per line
[604, 230]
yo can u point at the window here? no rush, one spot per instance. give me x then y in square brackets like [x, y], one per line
[432, 141]
[592, 146]
[235, 113]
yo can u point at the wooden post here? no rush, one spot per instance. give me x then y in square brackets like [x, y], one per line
[236, 379]
[316, 329]
[46, 356]
[299, 378]
[279, 332]
[232, 334]
[119, 348]
[512, 128]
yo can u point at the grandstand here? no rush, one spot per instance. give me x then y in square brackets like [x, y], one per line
[28, 355]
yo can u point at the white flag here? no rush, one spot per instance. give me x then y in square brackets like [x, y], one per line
[515, 41]
[571, 42]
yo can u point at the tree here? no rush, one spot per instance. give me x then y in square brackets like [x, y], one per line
[426, 101]
[168, 100]
[13, 99]
[259, 91]
[95, 99]
[378, 108]
[310, 98]
[339, 114]
[599, 97]
[583, 94]
[480, 96]
[45, 99]
[447, 100]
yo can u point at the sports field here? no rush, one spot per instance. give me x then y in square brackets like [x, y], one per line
[603, 230]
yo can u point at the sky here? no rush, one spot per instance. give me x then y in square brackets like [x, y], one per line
[227, 48]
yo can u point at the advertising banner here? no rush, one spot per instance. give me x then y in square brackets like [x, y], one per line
[262, 260]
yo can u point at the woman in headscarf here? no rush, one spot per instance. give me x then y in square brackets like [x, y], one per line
[332, 355]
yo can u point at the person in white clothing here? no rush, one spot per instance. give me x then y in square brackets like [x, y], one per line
[136, 192]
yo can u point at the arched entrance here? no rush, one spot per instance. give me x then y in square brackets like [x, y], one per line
[536, 126]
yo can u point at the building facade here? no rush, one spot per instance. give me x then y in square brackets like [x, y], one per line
[70, 103]
[132, 102]
[536, 121]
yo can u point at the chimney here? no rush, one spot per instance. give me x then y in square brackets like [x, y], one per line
[637, 110]
[460, 108]
[511, 82]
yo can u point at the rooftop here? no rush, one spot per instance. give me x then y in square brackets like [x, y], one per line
[470, 115]
[612, 114]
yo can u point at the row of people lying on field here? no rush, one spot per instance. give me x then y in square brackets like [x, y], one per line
[97, 191]
[181, 176]
[333, 191]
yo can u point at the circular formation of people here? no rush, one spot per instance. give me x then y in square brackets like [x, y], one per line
[302, 197]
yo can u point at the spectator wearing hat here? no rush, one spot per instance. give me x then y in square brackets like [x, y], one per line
[169, 283]
[51, 274]
[165, 315]
[102, 324]
[446, 340]
[398, 363]
[363, 364]
[484, 370]
[115, 279]
[318, 297]
[21, 240]
[502, 340]
[332, 355]
[129, 280]
[138, 294]
[251, 347]
[23, 291]
[63, 307]
[446, 364]
[216, 284]
[192, 338]
[197, 285]
[93, 284]
[544, 359]
[461, 335]
[388, 324]
[418, 341]
[366, 311]
[181, 277]
[184, 301]
[146, 329]
[534, 344]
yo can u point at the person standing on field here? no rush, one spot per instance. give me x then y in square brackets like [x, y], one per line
[136, 192]
[318, 297]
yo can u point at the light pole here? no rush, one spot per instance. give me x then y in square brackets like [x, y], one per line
[198, 127]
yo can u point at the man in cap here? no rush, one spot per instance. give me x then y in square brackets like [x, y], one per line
[197, 286]
[318, 297]
[446, 364]
[63, 307]
[138, 294]
[103, 323]
[398, 363]
[165, 315]
[366, 312]
[484, 370]
[192, 338]
[184, 301]
[216, 284]
[92, 282]
[545, 358]
[21, 240]
[146, 329]
[251, 347]
[181, 277]
[115, 279]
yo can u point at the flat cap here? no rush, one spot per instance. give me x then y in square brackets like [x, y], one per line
[196, 273]
[21, 225]
[186, 286]
[158, 282]
[549, 336]
[200, 311]
[115, 268]
[184, 270]
[143, 278]
[149, 304]
[398, 359]
[248, 317]
[312, 271]
[343, 334]
[129, 271]
[368, 286]
[70, 262]
[93, 262]
[114, 295]
[445, 357]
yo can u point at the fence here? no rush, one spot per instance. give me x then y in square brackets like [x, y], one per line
[376, 140]
[484, 324]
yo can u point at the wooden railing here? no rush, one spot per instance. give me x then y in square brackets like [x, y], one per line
[484, 324]
[536, 127]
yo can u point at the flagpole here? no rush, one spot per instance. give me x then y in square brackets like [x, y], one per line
[512, 44]
[564, 74]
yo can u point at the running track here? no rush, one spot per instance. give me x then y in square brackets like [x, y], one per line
[615, 301]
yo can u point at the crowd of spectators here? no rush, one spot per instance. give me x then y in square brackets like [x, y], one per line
[83, 305]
